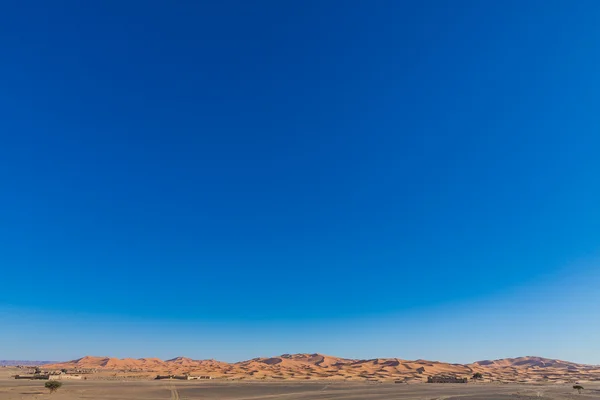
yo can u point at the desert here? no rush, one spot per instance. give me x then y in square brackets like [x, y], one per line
[301, 367]
[302, 376]
[11, 389]
[300, 200]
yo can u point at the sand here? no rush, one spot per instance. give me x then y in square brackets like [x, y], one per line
[309, 376]
[303, 367]
[287, 390]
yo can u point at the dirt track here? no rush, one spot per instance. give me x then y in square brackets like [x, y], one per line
[174, 393]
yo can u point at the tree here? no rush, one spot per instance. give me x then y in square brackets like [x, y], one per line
[37, 370]
[64, 370]
[53, 386]
[477, 375]
[579, 388]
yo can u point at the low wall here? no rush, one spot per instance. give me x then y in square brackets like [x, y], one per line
[46, 377]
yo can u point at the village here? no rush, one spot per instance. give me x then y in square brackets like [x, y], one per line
[63, 374]
[36, 373]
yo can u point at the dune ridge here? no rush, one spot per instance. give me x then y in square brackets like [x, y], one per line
[304, 366]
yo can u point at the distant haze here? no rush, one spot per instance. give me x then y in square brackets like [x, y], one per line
[8, 363]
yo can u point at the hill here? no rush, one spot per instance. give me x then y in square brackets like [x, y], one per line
[318, 366]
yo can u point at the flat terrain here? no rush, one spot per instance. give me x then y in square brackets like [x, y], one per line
[188, 390]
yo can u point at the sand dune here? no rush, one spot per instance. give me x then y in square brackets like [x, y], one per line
[319, 366]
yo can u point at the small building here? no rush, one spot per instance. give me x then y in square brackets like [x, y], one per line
[167, 377]
[66, 376]
[446, 379]
[34, 376]
[83, 371]
[183, 377]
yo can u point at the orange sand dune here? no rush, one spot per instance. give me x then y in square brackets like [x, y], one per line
[318, 366]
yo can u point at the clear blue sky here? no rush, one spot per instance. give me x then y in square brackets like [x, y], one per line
[232, 179]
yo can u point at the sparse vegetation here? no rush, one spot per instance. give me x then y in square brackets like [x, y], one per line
[53, 386]
[579, 388]
[477, 375]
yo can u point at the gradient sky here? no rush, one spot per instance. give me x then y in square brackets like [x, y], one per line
[233, 179]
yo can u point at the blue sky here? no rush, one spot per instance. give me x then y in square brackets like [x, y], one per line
[403, 179]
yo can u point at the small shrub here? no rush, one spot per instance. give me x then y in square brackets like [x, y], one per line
[53, 386]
